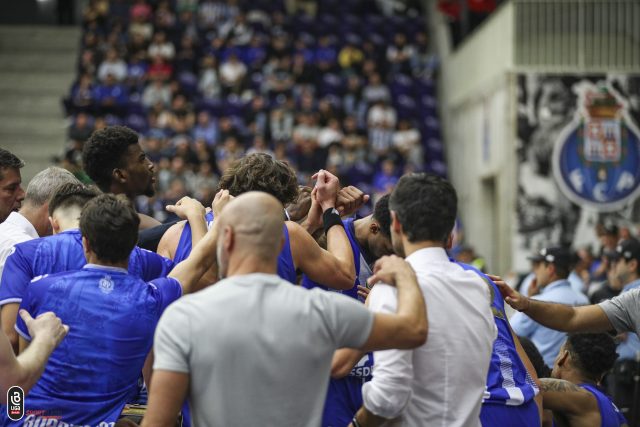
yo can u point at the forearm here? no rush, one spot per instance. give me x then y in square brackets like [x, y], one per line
[366, 418]
[8, 319]
[31, 363]
[344, 360]
[555, 316]
[198, 228]
[339, 246]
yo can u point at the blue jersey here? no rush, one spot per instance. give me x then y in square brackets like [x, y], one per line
[609, 413]
[344, 396]
[508, 381]
[286, 268]
[112, 316]
[63, 252]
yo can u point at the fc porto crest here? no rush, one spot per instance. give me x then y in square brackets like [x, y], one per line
[596, 159]
[106, 285]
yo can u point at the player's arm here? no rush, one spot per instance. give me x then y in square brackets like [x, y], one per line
[147, 222]
[567, 398]
[169, 241]
[46, 331]
[193, 211]
[344, 359]
[530, 369]
[8, 315]
[166, 395]
[408, 327]
[560, 317]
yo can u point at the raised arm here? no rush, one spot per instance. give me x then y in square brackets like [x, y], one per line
[46, 331]
[589, 318]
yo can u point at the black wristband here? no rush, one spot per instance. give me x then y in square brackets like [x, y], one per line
[331, 217]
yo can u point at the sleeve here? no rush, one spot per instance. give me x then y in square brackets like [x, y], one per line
[154, 265]
[167, 291]
[16, 276]
[389, 392]
[619, 310]
[348, 320]
[172, 342]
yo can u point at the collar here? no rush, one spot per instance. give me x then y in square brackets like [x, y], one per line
[556, 284]
[430, 255]
[105, 268]
[18, 220]
[631, 285]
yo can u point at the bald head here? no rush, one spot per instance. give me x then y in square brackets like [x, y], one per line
[251, 228]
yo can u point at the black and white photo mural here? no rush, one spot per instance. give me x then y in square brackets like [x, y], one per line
[578, 146]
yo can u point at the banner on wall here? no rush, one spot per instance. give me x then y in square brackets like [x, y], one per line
[579, 159]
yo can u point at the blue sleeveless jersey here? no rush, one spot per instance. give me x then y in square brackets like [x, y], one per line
[508, 381]
[344, 396]
[63, 252]
[286, 268]
[609, 413]
[112, 317]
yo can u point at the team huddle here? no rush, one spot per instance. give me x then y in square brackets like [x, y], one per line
[276, 306]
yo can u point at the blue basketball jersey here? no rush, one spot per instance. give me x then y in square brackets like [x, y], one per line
[344, 396]
[63, 252]
[508, 381]
[112, 316]
[609, 413]
[286, 268]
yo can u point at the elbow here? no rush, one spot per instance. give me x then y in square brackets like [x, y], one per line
[419, 335]
[340, 371]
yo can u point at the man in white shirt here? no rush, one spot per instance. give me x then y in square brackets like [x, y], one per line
[32, 220]
[11, 192]
[442, 382]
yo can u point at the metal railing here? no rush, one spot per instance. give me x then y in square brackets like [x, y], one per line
[578, 35]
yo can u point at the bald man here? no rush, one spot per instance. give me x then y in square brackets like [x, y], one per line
[254, 350]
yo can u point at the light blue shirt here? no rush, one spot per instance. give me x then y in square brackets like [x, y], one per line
[548, 341]
[628, 349]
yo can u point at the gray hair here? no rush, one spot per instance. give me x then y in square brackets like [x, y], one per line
[45, 184]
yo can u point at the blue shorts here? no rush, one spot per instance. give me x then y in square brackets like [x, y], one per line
[496, 415]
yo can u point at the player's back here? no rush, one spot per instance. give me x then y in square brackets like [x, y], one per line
[450, 369]
[111, 316]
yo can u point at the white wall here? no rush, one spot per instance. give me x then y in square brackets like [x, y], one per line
[477, 109]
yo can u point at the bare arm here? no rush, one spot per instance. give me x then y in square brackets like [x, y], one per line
[589, 318]
[201, 258]
[530, 369]
[8, 316]
[567, 398]
[408, 327]
[47, 331]
[165, 398]
[344, 359]
[147, 222]
[169, 241]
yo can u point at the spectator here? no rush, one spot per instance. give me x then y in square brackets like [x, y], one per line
[209, 84]
[406, 140]
[325, 55]
[206, 129]
[157, 92]
[350, 57]
[232, 74]
[161, 47]
[375, 90]
[399, 54]
[81, 129]
[113, 65]
[230, 151]
[111, 96]
[386, 179]
[159, 69]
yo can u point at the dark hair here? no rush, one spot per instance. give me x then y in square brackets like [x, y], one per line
[9, 160]
[594, 354]
[542, 370]
[68, 195]
[426, 206]
[261, 172]
[110, 224]
[382, 215]
[562, 271]
[103, 152]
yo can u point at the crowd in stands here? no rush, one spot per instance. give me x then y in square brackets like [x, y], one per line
[343, 85]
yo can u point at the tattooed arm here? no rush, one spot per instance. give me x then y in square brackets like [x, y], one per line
[564, 397]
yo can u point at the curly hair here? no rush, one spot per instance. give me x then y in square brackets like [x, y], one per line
[382, 215]
[594, 354]
[103, 153]
[261, 172]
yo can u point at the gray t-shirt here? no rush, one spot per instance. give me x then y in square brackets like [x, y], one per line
[257, 349]
[623, 311]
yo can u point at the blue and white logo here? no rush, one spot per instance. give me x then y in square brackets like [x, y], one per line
[596, 159]
[106, 285]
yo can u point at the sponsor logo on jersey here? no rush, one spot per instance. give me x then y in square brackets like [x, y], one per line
[15, 403]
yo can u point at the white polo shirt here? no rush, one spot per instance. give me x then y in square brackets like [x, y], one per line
[442, 382]
[15, 229]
